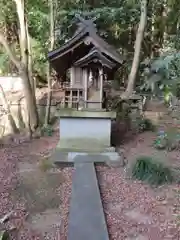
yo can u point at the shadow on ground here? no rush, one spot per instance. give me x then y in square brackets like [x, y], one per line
[41, 193]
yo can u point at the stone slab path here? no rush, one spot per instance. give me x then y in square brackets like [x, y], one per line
[86, 217]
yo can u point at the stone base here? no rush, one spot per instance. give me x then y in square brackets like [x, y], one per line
[108, 156]
[85, 137]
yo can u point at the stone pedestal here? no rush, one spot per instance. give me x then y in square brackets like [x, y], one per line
[87, 134]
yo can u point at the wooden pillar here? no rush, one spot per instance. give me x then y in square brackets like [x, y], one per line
[72, 76]
[78, 96]
[101, 86]
[85, 76]
[70, 98]
[90, 77]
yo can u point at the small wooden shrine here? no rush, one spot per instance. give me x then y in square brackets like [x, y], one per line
[84, 63]
[85, 136]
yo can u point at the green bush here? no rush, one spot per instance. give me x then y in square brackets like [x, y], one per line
[149, 170]
[146, 125]
[46, 130]
[141, 124]
[161, 141]
[169, 140]
[4, 235]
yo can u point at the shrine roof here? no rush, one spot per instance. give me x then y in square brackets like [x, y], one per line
[95, 56]
[76, 38]
[80, 46]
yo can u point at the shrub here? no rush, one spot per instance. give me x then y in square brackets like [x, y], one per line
[47, 130]
[146, 125]
[173, 139]
[161, 140]
[169, 140]
[141, 124]
[149, 170]
[4, 235]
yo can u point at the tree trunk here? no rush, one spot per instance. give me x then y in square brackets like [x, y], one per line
[30, 99]
[52, 37]
[30, 68]
[29, 94]
[27, 86]
[23, 33]
[12, 123]
[137, 48]
[29, 126]
[30, 77]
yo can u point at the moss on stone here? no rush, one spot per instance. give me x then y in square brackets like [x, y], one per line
[70, 113]
[84, 144]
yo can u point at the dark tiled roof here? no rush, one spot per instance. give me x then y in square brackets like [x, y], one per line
[95, 55]
[88, 32]
[105, 48]
[67, 45]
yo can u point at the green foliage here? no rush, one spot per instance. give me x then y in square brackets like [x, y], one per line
[149, 170]
[47, 130]
[112, 20]
[169, 140]
[4, 235]
[163, 77]
[125, 112]
[114, 103]
[3, 61]
[161, 141]
[38, 20]
[146, 125]
[39, 58]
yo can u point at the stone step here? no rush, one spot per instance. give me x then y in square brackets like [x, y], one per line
[60, 156]
[86, 217]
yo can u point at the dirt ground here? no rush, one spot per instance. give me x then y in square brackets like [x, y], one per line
[135, 210]
[40, 200]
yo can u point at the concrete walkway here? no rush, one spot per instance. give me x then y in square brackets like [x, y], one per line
[86, 218]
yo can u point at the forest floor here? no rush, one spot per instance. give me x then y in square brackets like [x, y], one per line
[40, 200]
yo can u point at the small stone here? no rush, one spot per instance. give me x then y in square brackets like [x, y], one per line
[12, 228]
[115, 163]
[119, 161]
[160, 198]
[6, 217]
[164, 202]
